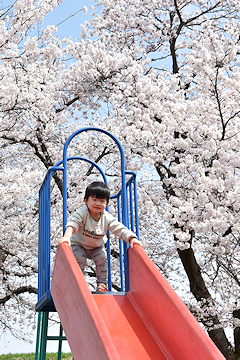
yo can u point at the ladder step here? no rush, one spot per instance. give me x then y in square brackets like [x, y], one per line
[56, 337]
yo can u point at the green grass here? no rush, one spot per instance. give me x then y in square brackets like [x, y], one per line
[49, 356]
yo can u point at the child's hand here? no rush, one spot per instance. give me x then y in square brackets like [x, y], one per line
[133, 241]
[64, 239]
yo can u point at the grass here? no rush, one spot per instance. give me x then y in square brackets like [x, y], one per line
[31, 356]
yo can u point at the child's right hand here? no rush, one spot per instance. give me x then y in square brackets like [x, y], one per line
[64, 239]
[133, 241]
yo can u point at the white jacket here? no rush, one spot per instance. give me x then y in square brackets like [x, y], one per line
[90, 233]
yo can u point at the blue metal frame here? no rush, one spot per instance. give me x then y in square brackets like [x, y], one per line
[127, 214]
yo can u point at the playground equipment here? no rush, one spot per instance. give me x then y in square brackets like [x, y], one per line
[145, 320]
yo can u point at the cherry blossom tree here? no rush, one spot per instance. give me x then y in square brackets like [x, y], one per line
[183, 119]
[162, 76]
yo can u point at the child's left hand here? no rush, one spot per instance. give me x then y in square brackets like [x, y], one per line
[133, 241]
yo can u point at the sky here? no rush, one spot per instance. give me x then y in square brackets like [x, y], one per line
[68, 16]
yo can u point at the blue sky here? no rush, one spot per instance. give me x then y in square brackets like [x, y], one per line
[68, 16]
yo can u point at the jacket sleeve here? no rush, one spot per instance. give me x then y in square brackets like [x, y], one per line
[76, 220]
[117, 228]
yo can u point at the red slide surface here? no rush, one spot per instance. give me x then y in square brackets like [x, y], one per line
[148, 322]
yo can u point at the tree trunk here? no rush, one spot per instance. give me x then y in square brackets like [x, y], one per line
[200, 292]
[236, 315]
[237, 342]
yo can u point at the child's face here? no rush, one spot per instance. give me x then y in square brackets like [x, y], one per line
[95, 205]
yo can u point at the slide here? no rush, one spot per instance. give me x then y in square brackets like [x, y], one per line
[148, 322]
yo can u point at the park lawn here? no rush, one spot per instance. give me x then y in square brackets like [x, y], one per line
[31, 356]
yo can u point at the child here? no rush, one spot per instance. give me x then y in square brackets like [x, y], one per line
[87, 229]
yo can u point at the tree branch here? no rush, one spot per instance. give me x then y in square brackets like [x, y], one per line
[21, 290]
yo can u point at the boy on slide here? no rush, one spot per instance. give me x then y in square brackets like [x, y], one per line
[87, 229]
